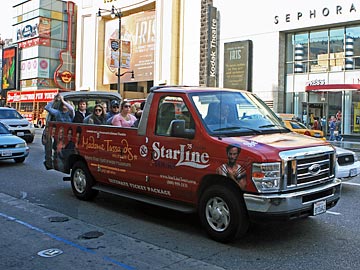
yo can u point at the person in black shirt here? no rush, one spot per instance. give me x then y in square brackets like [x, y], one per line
[81, 112]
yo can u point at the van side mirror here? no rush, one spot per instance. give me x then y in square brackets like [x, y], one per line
[177, 129]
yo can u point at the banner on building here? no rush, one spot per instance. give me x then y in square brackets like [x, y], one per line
[238, 65]
[9, 69]
[213, 45]
[34, 28]
[116, 48]
[137, 47]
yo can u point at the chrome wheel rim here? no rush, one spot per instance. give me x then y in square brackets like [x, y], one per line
[79, 181]
[217, 214]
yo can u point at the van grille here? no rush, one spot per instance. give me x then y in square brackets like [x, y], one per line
[308, 166]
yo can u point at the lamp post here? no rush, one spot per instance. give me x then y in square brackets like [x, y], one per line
[2, 43]
[114, 12]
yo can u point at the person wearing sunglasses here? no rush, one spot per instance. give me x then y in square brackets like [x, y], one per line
[114, 110]
[124, 118]
[98, 117]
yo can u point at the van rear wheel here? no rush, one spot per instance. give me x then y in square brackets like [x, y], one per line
[82, 182]
[223, 214]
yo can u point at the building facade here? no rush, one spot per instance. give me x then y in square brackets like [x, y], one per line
[305, 56]
[160, 44]
[43, 58]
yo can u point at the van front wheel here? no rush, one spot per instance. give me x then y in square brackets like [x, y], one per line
[82, 182]
[222, 213]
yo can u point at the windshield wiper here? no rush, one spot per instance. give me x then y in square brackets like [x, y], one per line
[234, 127]
[271, 125]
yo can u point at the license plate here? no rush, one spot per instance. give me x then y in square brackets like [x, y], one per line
[20, 134]
[319, 208]
[353, 172]
[6, 153]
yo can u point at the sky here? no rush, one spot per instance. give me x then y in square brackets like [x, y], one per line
[5, 19]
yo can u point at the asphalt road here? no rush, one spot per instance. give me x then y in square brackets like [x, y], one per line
[38, 213]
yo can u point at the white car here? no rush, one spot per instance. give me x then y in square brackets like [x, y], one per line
[11, 146]
[17, 124]
[347, 165]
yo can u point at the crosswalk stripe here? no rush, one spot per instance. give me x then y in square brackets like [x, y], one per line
[333, 213]
[350, 184]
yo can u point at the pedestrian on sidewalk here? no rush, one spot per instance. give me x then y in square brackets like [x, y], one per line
[332, 127]
[338, 136]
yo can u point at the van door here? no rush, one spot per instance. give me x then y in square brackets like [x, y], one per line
[175, 161]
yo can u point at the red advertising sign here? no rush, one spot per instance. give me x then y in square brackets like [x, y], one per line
[31, 96]
[34, 42]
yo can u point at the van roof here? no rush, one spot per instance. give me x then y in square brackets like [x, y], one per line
[187, 88]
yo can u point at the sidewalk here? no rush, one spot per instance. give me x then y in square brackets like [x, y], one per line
[351, 145]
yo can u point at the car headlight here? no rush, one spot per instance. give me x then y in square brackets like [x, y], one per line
[266, 176]
[21, 145]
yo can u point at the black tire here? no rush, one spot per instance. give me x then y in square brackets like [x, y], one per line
[19, 159]
[30, 140]
[82, 182]
[223, 214]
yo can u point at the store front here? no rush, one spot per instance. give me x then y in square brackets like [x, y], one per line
[322, 75]
[343, 99]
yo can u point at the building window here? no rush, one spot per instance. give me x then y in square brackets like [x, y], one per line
[326, 50]
[131, 87]
[318, 52]
[352, 48]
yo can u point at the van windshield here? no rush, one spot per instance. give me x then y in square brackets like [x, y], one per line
[228, 112]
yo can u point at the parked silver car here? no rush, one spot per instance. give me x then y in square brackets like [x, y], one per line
[11, 146]
[17, 124]
[347, 165]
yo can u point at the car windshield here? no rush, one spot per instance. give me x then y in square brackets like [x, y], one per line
[297, 125]
[3, 129]
[10, 114]
[228, 113]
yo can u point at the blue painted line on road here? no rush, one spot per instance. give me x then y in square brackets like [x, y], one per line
[60, 239]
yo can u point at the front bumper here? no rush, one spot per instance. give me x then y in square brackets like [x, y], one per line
[293, 204]
[16, 153]
[26, 134]
[348, 171]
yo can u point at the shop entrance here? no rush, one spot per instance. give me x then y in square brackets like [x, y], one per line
[315, 111]
[340, 101]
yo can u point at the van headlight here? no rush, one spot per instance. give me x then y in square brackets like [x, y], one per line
[266, 176]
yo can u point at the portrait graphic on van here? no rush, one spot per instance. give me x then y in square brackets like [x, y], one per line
[231, 168]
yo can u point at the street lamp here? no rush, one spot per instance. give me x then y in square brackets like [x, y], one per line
[2, 43]
[126, 72]
[114, 12]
